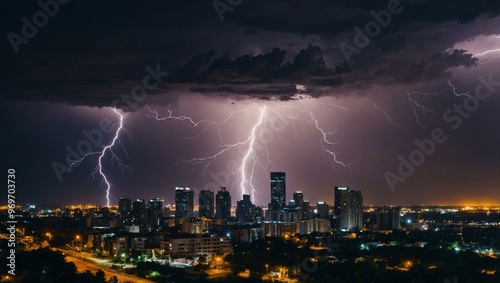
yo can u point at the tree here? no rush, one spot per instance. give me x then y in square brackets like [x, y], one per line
[100, 276]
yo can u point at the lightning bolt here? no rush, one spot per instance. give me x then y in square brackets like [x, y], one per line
[101, 153]
[325, 139]
[208, 123]
[455, 90]
[427, 93]
[415, 105]
[170, 116]
[253, 141]
[247, 182]
[250, 154]
[486, 53]
[177, 118]
[380, 109]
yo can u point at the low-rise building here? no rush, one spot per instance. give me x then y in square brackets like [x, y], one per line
[193, 246]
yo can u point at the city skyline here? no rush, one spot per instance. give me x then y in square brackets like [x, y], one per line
[290, 196]
[197, 194]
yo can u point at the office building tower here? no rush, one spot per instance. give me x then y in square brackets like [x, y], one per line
[298, 197]
[206, 204]
[245, 211]
[278, 191]
[336, 204]
[184, 202]
[124, 205]
[223, 204]
[302, 207]
[322, 210]
[348, 208]
[139, 212]
[155, 212]
[306, 209]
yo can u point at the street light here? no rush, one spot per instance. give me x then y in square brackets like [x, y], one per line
[81, 242]
[267, 268]
[48, 235]
[123, 258]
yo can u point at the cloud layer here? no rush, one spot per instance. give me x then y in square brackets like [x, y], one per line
[92, 52]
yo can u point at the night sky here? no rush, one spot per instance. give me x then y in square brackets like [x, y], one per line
[268, 85]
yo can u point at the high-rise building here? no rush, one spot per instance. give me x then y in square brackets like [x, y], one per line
[336, 204]
[124, 205]
[206, 204]
[184, 202]
[278, 191]
[139, 212]
[155, 212]
[298, 197]
[322, 210]
[349, 208]
[302, 207]
[306, 209]
[223, 204]
[388, 218]
[245, 211]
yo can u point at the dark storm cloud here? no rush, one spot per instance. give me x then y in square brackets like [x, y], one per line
[249, 91]
[333, 17]
[309, 68]
[93, 51]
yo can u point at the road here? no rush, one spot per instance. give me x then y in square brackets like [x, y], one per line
[215, 274]
[82, 265]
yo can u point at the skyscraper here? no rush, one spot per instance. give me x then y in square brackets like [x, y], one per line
[306, 207]
[206, 202]
[349, 207]
[139, 212]
[223, 204]
[124, 205]
[155, 212]
[278, 191]
[302, 207]
[245, 211]
[322, 210]
[298, 197]
[337, 204]
[184, 202]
